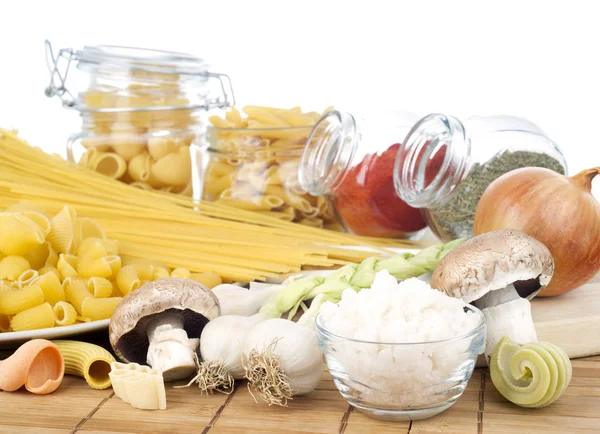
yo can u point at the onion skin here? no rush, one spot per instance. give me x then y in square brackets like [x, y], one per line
[556, 210]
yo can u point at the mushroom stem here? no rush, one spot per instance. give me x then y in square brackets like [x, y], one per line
[511, 318]
[170, 350]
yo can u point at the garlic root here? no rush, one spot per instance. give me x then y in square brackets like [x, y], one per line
[266, 377]
[212, 376]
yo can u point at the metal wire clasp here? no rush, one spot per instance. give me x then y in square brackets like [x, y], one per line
[56, 87]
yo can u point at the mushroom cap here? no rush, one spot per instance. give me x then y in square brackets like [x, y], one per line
[492, 261]
[127, 330]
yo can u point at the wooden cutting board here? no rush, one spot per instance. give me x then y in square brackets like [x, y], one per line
[571, 321]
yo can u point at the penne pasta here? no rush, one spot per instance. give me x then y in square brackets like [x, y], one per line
[99, 308]
[38, 317]
[64, 313]
[217, 186]
[289, 198]
[100, 287]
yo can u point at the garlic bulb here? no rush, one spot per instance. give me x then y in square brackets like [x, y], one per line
[282, 359]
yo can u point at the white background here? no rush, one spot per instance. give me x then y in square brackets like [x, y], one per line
[537, 59]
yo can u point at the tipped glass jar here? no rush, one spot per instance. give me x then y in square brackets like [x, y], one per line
[470, 155]
[350, 161]
[143, 112]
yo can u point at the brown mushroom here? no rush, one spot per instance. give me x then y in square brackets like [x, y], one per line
[160, 324]
[499, 272]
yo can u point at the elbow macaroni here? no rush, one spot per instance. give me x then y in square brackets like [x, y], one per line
[63, 271]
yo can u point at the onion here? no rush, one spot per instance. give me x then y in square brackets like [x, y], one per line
[557, 210]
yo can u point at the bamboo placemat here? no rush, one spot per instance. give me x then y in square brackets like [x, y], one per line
[76, 408]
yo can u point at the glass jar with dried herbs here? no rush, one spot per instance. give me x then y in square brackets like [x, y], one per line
[470, 155]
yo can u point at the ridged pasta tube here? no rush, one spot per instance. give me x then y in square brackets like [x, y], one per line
[86, 360]
[140, 386]
[100, 287]
[64, 313]
[132, 276]
[51, 287]
[12, 302]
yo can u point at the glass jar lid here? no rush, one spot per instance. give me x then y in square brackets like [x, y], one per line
[155, 66]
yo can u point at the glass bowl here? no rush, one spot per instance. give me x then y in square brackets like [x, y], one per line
[402, 381]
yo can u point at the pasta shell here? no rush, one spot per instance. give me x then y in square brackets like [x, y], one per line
[42, 255]
[62, 234]
[85, 228]
[174, 168]
[19, 234]
[140, 167]
[92, 247]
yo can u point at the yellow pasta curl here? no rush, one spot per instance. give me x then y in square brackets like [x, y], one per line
[38, 317]
[86, 360]
[12, 302]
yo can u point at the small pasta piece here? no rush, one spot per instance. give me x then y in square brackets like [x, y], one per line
[141, 186]
[108, 163]
[260, 203]
[92, 362]
[132, 276]
[159, 146]
[26, 278]
[140, 167]
[76, 292]
[61, 235]
[160, 272]
[116, 292]
[107, 266]
[184, 273]
[174, 168]
[210, 280]
[311, 221]
[64, 314]
[35, 318]
[100, 287]
[51, 287]
[20, 232]
[97, 247]
[43, 255]
[67, 266]
[216, 187]
[4, 323]
[12, 267]
[217, 169]
[290, 198]
[99, 308]
[312, 214]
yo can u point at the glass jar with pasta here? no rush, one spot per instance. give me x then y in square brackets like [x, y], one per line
[143, 112]
[252, 164]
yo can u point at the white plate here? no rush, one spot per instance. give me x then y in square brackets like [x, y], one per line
[13, 339]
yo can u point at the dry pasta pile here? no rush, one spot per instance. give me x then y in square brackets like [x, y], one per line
[237, 245]
[63, 270]
[253, 164]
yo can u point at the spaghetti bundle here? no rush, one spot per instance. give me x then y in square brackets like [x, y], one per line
[237, 244]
